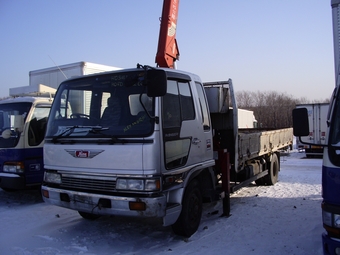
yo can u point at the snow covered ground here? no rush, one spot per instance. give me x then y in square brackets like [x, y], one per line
[280, 219]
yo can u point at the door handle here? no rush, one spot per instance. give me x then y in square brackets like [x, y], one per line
[196, 141]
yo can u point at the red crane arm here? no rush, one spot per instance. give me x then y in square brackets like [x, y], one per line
[167, 52]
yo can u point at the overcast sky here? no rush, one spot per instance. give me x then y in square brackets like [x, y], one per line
[262, 45]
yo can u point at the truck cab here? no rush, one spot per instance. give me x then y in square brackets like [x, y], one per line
[23, 123]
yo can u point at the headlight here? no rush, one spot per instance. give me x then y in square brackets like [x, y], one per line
[337, 220]
[152, 184]
[330, 219]
[14, 167]
[138, 184]
[327, 218]
[52, 177]
[130, 184]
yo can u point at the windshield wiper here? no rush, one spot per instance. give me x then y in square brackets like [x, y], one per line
[68, 131]
[97, 129]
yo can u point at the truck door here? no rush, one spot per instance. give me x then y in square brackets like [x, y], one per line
[185, 141]
[35, 138]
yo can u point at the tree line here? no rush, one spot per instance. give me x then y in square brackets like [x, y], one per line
[271, 109]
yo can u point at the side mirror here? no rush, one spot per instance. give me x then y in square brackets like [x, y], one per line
[156, 83]
[6, 133]
[300, 122]
[18, 123]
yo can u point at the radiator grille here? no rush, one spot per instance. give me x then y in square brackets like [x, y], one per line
[89, 183]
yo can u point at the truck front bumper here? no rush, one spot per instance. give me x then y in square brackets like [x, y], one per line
[330, 245]
[12, 181]
[106, 204]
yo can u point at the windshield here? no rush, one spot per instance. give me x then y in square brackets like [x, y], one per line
[12, 118]
[334, 133]
[101, 106]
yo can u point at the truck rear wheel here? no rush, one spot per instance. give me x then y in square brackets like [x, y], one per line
[273, 171]
[260, 182]
[190, 217]
[88, 216]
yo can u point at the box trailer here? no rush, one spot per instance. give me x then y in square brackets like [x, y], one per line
[53, 76]
[317, 117]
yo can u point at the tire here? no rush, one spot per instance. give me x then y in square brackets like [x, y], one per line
[273, 171]
[89, 216]
[260, 182]
[190, 217]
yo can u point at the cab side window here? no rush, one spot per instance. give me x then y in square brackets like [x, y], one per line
[203, 107]
[171, 106]
[187, 106]
[37, 126]
[177, 106]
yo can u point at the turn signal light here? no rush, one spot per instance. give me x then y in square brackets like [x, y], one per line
[137, 206]
[45, 193]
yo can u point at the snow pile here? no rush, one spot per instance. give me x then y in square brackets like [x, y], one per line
[280, 219]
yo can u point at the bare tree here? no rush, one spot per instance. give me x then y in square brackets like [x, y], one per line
[271, 109]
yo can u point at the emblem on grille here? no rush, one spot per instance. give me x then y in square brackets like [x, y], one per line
[84, 153]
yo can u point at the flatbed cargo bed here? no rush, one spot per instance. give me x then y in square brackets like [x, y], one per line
[255, 142]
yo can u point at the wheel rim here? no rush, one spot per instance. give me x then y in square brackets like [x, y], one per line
[275, 169]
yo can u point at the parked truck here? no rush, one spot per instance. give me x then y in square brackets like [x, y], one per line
[23, 119]
[331, 152]
[151, 150]
[317, 118]
[156, 142]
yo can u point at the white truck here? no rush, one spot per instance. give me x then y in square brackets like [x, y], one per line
[23, 119]
[155, 142]
[317, 117]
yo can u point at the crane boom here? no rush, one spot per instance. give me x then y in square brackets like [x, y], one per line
[167, 52]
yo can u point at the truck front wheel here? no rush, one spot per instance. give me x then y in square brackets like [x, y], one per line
[273, 171]
[190, 217]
